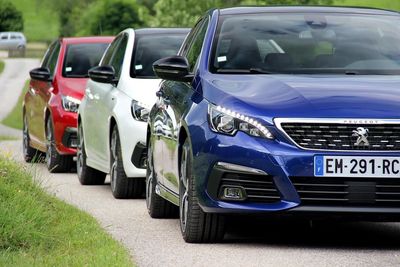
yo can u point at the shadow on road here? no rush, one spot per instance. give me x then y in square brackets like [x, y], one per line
[321, 234]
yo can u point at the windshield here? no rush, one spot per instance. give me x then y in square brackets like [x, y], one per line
[149, 49]
[82, 57]
[307, 43]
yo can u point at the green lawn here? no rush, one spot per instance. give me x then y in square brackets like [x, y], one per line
[7, 138]
[387, 4]
[14, 118]
[40, 19]
[37, 229]
[1, 66]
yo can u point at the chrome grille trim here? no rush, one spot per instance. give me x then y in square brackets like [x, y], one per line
[338, 133]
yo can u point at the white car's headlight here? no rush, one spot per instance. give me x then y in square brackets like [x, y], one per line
[228, 122]
[70, 103]
[139, 111]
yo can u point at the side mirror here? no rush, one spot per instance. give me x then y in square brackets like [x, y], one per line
[103, 74]
[175, 68]
[41, 74]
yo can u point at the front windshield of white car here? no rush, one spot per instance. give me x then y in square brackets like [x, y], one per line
[150, 48]
[309, 43]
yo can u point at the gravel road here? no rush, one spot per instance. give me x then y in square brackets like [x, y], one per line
[248, 242]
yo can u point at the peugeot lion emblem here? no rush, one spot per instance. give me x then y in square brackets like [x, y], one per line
[362, 134]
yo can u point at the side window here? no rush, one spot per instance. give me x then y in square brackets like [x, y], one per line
[54, 58]
[48, 54]
[196, 45]
[110, 51]
[118, 57]
[4, 36]
[13, 36]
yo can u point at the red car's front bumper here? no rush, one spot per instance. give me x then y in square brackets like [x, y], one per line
[65, 130]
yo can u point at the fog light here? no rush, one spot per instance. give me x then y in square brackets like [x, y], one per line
[233, 193]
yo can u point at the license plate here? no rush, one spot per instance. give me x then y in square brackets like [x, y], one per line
[349, 166]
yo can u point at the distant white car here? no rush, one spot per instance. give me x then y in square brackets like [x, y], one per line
[113, 114]
[13, 41]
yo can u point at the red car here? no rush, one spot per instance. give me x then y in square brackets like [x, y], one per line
[51, 104]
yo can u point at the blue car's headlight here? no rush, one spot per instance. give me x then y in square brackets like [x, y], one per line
[228, 122]
[70, 104]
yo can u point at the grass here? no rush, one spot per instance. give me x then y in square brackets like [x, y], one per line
[37, 229]
[386, 4]
[40, 19]
[14, 118]
[7, 138]
[2, 64]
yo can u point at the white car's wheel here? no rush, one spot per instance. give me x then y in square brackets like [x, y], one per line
[86, 175]
[121, 185]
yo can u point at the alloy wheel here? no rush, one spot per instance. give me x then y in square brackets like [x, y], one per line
[49, 140]
[183, 192]
[114, 165]
[25, 138]
[79, 155]
[150, 176]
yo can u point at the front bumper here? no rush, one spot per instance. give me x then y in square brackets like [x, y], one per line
[288, 184]
[65, 131]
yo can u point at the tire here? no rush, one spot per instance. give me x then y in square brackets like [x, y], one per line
[86, 175]
[122, 187]
[196, 225]
[157, 206]
[30, 154]
[55, 162]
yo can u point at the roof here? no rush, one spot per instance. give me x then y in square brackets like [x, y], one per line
[85, 40]
[148, 31]
[316, 9]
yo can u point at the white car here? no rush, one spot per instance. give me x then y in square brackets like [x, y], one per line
[112, 122]
[13, 41]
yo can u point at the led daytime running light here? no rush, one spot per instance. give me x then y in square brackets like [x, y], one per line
[244, 118]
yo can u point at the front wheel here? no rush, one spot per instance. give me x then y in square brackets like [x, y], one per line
[196, 225]
[157, 206]
[30, 154]
[54, 161]
[121, 185]
[86, 175]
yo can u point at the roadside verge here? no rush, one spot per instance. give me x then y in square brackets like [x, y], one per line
[37, 229]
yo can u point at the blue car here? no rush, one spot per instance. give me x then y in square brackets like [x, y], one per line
[278, 110]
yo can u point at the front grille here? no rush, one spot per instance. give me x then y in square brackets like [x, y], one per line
[259, 188]
[337, 191]
[337, 136]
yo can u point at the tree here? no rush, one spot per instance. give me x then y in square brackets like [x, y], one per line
[10, 18]
[108, 17]
[70, 13]
[171, 13]
[185, 13]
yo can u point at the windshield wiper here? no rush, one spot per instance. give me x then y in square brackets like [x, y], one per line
[245, 71]
[351, 72]
[261, 71]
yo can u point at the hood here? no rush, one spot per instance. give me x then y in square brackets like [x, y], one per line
[313, 96]
[74, 87]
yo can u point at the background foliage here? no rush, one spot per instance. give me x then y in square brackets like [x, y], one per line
[10, 18]
[45, 20]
